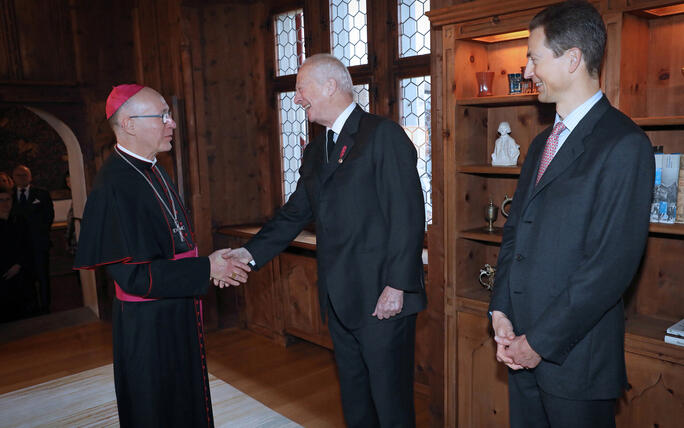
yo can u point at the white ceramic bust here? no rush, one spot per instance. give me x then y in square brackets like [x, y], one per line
[506, 151]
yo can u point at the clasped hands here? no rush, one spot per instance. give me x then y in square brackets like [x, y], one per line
[229, 266]
[512, 350]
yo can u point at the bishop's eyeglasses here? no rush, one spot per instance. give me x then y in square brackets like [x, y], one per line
[165, 117]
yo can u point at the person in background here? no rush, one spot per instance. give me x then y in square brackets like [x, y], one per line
[70, 233]
[14, 259]
[6, 181]
[34, 206]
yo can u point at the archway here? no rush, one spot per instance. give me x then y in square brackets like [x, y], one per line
[78, 194]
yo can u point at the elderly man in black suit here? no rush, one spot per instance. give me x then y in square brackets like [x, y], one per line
[34, 206]
[359, 183]
[574, 237]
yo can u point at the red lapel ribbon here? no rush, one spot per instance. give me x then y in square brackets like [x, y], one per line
[344, 150]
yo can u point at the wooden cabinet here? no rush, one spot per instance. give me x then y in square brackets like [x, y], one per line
[302, 314]
[643, 76]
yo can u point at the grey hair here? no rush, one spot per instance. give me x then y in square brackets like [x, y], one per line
[326, 67]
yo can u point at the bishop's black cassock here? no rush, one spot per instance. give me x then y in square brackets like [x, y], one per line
[159, 355]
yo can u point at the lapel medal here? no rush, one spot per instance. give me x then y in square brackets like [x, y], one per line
[344, 150]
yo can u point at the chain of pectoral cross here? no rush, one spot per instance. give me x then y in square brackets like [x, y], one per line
[174, 215]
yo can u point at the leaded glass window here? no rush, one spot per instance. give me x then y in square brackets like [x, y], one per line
[362, 96]
[415, 118]
[349, 33]
[414, 27]
[289, 40]
[293, 139]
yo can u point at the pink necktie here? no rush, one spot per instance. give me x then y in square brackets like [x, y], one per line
[550, 149]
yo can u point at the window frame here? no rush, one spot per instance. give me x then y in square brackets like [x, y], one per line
[383, 73]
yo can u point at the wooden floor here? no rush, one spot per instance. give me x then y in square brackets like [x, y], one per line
[298, 382]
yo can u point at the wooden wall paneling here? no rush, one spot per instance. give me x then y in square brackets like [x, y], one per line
[640, 4]
[45, 40]
[633, 71]
[483, 391]
[656, 396]
[448, 182]
[10, 58]
[436, 239]
[670, 138]
[423, 352]
[316, 26]
[659, 292]
[153, 33]
[382, 49]
[103, 37]
[470, 58]
[665, 78]
[267, 110]
[610, 72]
[504, 58]
[237, 175]
[147, 44]
[193, 87]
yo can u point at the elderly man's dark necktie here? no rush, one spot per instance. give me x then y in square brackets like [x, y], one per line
[330, 143]
[22, 197]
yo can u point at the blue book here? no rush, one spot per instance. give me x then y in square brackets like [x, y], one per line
[656, 202]
[668, 188]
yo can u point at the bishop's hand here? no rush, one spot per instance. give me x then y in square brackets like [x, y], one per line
[227, 270]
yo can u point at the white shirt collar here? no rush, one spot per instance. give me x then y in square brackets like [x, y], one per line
[20, 189]
[341, 119]
[578, 114]
[130, 153]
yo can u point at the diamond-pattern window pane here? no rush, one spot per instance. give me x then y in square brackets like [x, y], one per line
[289, 40]
[349, 35]
[415, 118]
[414, 27]
[293, 139]
[362, 96]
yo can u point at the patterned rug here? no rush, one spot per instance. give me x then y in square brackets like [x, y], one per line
[87, 399]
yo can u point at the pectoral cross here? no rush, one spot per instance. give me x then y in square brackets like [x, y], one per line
[179, 230]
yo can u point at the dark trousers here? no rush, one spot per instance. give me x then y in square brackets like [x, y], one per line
[375, 365]
[41, 273]
[530, 407]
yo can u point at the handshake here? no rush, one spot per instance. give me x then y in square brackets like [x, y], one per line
[229, 266]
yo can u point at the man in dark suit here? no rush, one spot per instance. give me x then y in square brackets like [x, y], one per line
[34, 206]
[575, 235]
[360, 185]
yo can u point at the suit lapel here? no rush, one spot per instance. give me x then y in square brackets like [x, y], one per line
[571, 149]
[343, 145]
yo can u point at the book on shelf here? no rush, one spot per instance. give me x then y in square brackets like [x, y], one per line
[655, 203]
[674, 340]
[680, 192]
[664, 208]
[675, 333]
[676, 329]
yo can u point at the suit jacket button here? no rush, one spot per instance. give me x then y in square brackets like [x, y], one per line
[518, 257]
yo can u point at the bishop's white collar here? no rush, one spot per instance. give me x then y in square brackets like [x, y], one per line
[130, 153]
